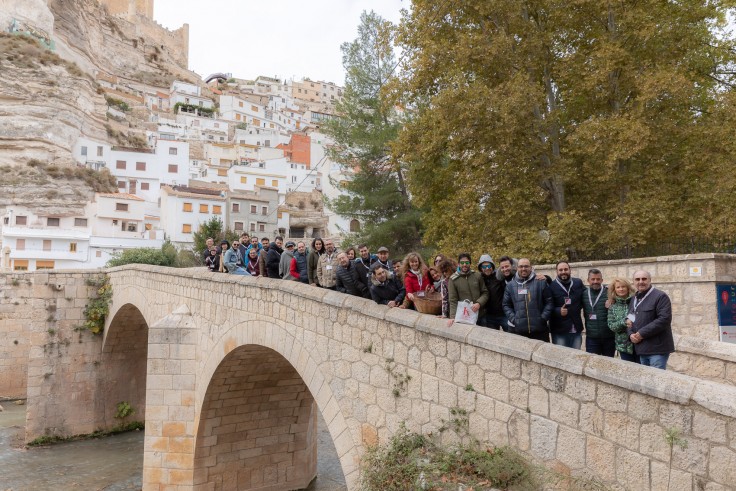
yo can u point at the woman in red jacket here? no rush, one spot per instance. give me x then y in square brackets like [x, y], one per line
[416, 278]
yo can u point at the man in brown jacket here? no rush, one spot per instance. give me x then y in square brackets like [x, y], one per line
[327, 266]
[466, 284]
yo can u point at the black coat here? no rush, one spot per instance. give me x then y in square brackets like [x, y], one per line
[527, 313]
[391, 289]
[563, 325]
[496, 289]
[273, 259]
[364, 271]
[347, 281]
[653, 323]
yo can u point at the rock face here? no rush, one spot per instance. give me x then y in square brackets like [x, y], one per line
[49, 96]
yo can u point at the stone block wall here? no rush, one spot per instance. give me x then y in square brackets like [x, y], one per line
[694, 301]
[16, 308]
[707, 360]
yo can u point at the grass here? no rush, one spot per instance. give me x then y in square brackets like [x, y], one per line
[43, 173]
[25, 52]
[51, 439]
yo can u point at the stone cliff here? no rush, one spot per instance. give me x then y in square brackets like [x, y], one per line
[49, 94]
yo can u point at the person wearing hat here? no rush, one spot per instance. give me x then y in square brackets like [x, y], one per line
[467, 284]
[383, 258]
[285, 262]
[493, 315]
[386, 288]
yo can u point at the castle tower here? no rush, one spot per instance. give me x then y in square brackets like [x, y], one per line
[129, 8]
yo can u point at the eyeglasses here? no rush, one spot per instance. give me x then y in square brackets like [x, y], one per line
[465, 262]
[641, 279]
[486, 266]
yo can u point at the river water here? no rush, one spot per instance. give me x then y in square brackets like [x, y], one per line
[113, 463]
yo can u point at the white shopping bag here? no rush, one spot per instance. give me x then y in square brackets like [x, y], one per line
[464, 313]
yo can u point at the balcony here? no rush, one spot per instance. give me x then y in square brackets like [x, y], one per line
[54, 254]
[42, 231]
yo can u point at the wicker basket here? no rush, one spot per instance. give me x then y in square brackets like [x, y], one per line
[430, 303]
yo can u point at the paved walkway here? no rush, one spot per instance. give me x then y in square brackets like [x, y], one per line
[112, 464]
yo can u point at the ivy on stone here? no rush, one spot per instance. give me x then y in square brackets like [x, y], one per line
[98, 307]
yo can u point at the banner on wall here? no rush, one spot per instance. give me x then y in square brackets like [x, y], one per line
[726, 299]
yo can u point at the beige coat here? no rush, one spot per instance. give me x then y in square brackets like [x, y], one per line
[326, 268]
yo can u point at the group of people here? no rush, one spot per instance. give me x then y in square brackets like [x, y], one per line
[633, 320]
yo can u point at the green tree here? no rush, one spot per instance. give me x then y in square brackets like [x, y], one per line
[557, 128]
[376, 193]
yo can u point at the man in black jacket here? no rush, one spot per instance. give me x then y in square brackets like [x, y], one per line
[386, 289]
[527, 304]
[273, 257]
[566, 324]
[346, 278]
[493, 316]
[363, 264]
[650, 322]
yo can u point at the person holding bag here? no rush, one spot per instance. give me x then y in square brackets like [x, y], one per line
[416, 278]
[468, 293]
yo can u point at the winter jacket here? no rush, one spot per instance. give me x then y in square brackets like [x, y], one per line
[391, 289]
[414, 284]
[617, 324]
[251, 265]
[299, 267]
[596, 328]
[364, 269]
[496, 287]
[558, 323]
[527, 313]
[467, 286]
[326, 268]
[232, 260]
[312, 263]
[273, 259]
[212, 262]
[653, 323]
[285, 265]
[347, 281]
[262, 261]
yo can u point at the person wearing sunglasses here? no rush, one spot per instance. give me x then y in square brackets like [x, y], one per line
[649, 322]
[493, 315]
[467, 284]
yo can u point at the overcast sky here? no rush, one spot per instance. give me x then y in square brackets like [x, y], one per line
[282, 38]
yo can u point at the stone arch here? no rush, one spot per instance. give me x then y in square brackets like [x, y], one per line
[268, 339]
[124, 360]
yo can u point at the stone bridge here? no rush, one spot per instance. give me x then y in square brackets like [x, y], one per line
[229, 373]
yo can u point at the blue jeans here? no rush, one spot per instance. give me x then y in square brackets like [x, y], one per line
[628, 357]
[656, 361]
[240, 271]
[604, 346]
[571, 340]
[492, 321]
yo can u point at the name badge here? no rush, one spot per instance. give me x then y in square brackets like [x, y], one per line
[631, 317]
[420, 294]
[568, 301]
[593, 317]
[522, 291]
[329, 267]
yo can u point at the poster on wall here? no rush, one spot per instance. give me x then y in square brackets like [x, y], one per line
[726, 298]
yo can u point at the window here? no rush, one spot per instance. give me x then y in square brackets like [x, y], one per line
[222, 172]
[237, 117]
[216, 209]
[121, 206]
[52, 222]
[186, 228]
[20, 265]
[264, 210]
[72, 247]
[145, 186]
[252, 227]
[20, 244]
[293, 178]
[274, 183]
[148, 226]
[173, 151]
[84, 151]
[217, 125]
[238, 226]
[80, 222]
[204, 208]
[279, 215]
[121, 184]
[130, 226]
[21, 220]
[140, 166]
[354, 225]
[240, 103]
[260, 182]
[120, 164]
[187, 207]
[236, 207]
[261, 227]
[98, 253]
[46, 245]
[254, 108]
[44, 264]
[99, 151]
[253, 209]
[267, 143]
[173, 168]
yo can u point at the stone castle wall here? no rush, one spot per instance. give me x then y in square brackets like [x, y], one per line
[126, 7]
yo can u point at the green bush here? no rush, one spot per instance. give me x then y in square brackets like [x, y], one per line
[143, 255]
